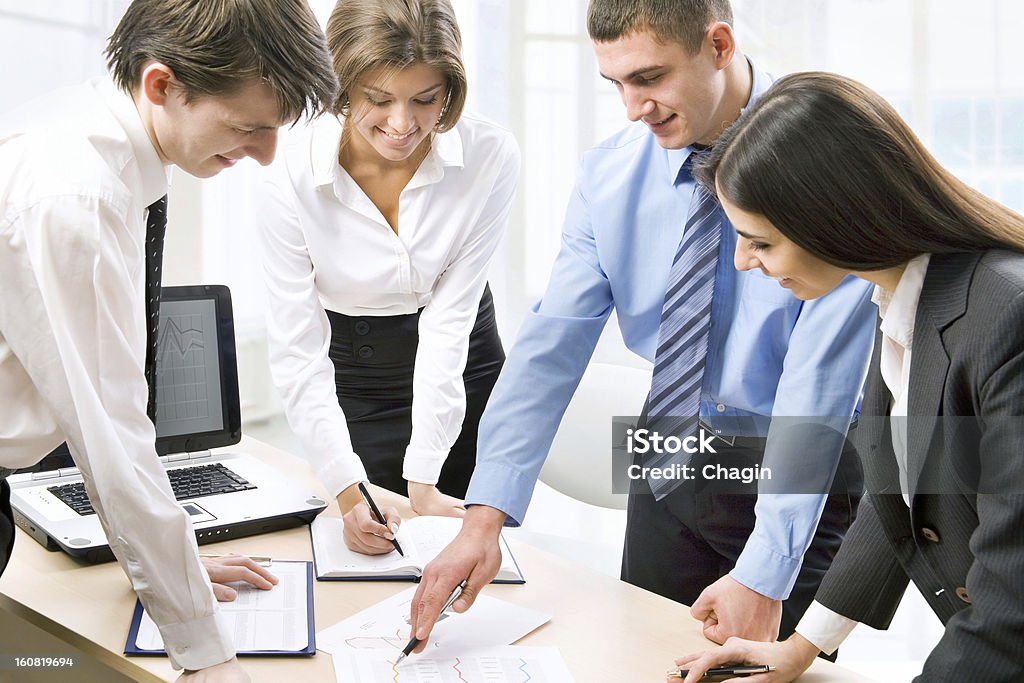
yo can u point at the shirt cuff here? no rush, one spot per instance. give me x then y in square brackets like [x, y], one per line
[341, 472]
[199, 643]
[508, 489]
[763, 570]
[423, 466]
[823, 628]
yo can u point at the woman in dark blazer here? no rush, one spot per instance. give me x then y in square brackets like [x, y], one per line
[822, 179]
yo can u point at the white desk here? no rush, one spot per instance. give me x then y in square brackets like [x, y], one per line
[606, 630]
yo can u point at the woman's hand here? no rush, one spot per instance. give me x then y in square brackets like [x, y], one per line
[790, 658]
[230, 568]
[363, 533]
[427, 500]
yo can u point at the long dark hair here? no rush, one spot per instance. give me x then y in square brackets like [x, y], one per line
[836, 170]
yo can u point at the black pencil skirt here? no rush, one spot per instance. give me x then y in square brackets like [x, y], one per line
[374, 360]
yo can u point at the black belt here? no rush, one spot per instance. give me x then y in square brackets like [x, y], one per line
[749, 441]
[389, 339]
[374, 340]
[754, 442]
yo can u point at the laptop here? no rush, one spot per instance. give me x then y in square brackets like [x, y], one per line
[228, 494]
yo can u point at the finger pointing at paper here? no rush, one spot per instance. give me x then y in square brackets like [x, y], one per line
[474, 557]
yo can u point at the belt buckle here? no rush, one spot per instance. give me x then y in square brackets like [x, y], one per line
[730, 440]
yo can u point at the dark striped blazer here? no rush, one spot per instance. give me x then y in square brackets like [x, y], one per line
[963, 549]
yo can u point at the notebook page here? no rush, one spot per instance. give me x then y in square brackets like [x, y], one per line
[333, 558]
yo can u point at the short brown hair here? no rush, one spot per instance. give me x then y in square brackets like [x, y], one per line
[215, 47]
[836, 170]
[682, 21]
[367, 34]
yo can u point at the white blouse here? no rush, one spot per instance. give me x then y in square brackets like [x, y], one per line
[327, 246]
[821, 626]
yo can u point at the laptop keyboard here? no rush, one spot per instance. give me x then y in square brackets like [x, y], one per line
[186, 482]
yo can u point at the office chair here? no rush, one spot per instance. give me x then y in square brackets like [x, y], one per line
[579, 464]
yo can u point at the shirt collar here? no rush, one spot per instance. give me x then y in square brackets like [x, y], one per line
[760, 82]
[323, 149]
[898, 308]
[445, 150]
[154, 174]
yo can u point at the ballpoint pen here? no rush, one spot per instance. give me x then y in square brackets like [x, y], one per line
[377, 515]
[725, 671]
[413, 642]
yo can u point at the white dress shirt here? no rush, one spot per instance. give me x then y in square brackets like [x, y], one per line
[327, 246]
[821, 626]
[77, 171]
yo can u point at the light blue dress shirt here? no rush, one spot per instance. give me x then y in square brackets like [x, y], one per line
[769, 353]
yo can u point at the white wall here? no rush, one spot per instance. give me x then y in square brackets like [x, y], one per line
[952, 68]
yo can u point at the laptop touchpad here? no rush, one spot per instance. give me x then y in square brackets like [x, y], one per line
[197, 513]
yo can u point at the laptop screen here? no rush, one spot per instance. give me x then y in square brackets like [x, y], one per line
[197, 403]
[188, 369]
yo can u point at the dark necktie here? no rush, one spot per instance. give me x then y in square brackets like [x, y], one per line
[673, 405]
[156, 226]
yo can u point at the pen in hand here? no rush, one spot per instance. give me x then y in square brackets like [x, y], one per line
[736, 670]
[377, 515]
[414, 641]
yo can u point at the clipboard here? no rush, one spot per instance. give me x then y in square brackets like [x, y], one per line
[132, 648]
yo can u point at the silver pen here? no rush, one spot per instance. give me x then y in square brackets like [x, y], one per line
[447, 605]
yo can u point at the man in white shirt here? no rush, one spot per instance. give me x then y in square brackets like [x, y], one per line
[200, 84]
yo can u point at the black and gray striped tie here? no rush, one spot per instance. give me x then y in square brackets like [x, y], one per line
[673, 405]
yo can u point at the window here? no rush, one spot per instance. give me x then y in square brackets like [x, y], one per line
[963, 95]
[952, 69]
[50, 44]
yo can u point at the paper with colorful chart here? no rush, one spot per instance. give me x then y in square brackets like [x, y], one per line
[509, 664]
[385, 626]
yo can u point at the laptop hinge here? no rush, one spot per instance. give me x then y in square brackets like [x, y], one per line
[200, 455]
[49, 474]
[69, 472]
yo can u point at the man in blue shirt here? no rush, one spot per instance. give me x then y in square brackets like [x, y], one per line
[683, 80]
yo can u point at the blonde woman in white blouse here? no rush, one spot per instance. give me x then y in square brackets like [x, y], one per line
[377, 232]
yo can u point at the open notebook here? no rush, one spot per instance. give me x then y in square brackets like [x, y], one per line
[421, 538]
